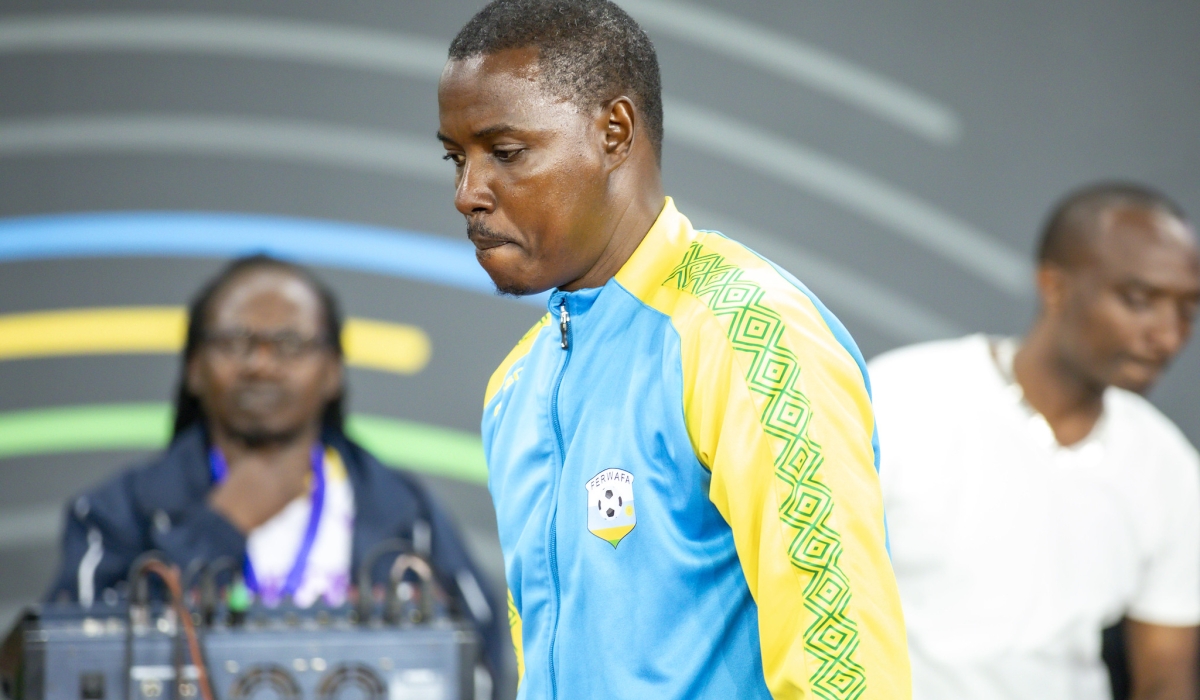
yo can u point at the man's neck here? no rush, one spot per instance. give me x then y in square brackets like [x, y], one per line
[633, 220]
[289, 452]
[1070, 402]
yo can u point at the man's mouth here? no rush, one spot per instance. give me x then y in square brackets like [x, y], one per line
[260, 398]
[483, 237]
[482, 244]
[1154, 364]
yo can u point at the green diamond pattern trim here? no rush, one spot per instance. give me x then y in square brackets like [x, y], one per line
[756, 332]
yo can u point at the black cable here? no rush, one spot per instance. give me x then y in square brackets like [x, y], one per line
[139, 594]
[394, 545]
[208, 585]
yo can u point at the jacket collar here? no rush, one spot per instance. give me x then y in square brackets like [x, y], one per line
[651, 263]
[186, 476]
[658, 254]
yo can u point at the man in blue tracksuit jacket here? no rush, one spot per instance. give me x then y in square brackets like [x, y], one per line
[682, 452]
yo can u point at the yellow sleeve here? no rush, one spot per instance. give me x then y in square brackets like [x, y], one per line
[779, 412]
[514, 627]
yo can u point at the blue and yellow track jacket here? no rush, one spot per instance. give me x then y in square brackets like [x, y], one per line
[683, 463]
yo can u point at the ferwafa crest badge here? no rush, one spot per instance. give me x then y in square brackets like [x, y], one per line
[611, 514]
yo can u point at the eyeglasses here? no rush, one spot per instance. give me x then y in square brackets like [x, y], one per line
[283, 346]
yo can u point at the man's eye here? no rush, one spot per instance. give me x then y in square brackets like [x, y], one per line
[508, 154]
[289, 345]
[456, 158]
[1136, 299]
[234, 345]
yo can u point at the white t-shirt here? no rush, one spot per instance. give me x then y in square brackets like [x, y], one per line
[273, 546]
[1013, 552]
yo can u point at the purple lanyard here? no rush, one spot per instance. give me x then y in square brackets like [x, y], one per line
[220, 469]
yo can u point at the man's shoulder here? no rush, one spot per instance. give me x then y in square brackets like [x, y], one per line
[1136, 417]
[733, 274]
[751, 293]
[159, 482]
[931, 363]
[374, 482]
[520, 350]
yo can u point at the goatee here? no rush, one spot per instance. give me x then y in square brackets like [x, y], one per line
[476, 229]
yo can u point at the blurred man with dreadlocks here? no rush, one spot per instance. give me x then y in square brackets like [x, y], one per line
[260, 469]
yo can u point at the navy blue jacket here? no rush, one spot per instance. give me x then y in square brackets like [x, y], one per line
[163, 506]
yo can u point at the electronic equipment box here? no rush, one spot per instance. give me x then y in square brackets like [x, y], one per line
[105, 653]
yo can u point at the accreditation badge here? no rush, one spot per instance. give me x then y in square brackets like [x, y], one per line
[611, 514]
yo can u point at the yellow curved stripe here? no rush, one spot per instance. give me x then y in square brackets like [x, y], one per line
[144, 329]
[388, 347]
[378, 345]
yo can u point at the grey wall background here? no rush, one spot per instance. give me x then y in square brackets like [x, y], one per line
[897, 157]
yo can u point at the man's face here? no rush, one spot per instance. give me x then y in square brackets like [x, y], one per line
[530, 171]
[265, 372]
[1127, 308]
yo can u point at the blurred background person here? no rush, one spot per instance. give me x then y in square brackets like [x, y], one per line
[260, 468]
[1033, 495]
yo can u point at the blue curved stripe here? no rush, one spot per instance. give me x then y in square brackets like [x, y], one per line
[407, 254]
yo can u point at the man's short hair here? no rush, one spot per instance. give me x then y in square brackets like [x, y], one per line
[1076, 218]
[589, 51]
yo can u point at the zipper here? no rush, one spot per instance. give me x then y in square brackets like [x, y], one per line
[564, 325]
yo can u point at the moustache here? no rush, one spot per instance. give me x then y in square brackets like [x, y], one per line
[479, 232]
[259, 395]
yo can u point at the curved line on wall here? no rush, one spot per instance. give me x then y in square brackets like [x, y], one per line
[801, 63]
[417, 256]
[388, 153]
[369, 344]
[403, 155]
[251, 37]
[405, 254]
[809, 171]
[419, 57]
[421, 447]
[815, 173]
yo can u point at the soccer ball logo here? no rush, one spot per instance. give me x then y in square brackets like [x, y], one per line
[611, 515]
[611, 504]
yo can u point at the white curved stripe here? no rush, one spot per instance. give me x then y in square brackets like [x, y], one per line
[421, 58]
[418, 57]
[86, 574]
[861, 193]
[30, 526]
[280, 39]
[843, 290]
[800, 63]
[398, 154]
[336, 146]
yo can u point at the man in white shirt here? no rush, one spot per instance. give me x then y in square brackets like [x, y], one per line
[1033, 496]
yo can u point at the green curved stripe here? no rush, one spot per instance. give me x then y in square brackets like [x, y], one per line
[147, 426]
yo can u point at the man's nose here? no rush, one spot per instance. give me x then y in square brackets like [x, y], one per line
[474, 193]
[1169, 331]
[262, 359]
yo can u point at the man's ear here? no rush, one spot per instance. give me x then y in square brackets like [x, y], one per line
[194, 377]
[1053, 282]
[334, 376]
[619, 123]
